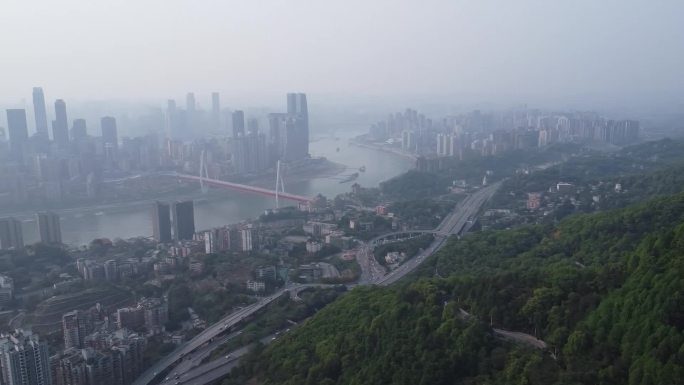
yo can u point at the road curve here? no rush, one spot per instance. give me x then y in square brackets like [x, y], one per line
[453, 224]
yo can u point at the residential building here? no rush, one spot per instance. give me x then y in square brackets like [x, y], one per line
[49, 228]
[75, 326]
[6, 290]
[24, 359]
[161, 222]
[183, 218]
[11, 234]
[40, 113]
[256, 286]
[60, 126]
[18, 134]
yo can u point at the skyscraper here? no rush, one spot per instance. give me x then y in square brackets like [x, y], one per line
[68, 368]
[298, 108]
[49, 227]
[215, 110]
[18, 133]
[109, 132]
[238, 123]
[110, 139]
[60, 126]
[79, 130]
[190, 103]
[172, 129]
[190, 114]
[75, 326]
[40, 113]
[24, 359]
[161, 222]
[11, 234]
[183, 216]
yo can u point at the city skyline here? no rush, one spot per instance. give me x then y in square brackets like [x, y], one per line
[403, 45]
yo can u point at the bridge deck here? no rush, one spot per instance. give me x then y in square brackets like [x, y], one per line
[245, 188]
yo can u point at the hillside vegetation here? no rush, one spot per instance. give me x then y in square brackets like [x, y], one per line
[605, 291]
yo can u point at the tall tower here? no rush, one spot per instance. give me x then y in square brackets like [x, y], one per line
[40, 113]
[76, 325]
[161, 222]
[183, 217]
[11, 234]
[49, 227]
[238, 123]
[60, 126]
[110, 139]
[79, 130]
[297, 107]
[190, 122]
[190, 102]
[18, 133]
[24, 359]
[109, 131]
[215, 110]
[171, 118]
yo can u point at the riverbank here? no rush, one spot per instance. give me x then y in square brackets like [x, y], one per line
[315, 169]
[384, 148]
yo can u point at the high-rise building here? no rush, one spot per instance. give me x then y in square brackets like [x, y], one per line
[172, 123]
[76, 325]
[297, 107]
[49, 227]
[79, 130]
[215, 110]
[40, 113]
[161, 222]
[6, 290]
[109, 131]
[250, 239]
[11, 234]
[60, 126]
[240, 154]
[110, 139]
[238, 123]
[156, 313]
[190, 113]
[24, 359]
[18, 133]
[111, 270]
[68, 368]
[190, 102]
[100, 367]
[183, 218]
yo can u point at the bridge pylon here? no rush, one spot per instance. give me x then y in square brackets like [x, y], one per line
[279, 185]
[203, 172]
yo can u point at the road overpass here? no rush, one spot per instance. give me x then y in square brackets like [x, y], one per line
[204, 337]
[458, 221]
[453, 224]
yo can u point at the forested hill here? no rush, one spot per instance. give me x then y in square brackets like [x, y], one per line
[605, 291]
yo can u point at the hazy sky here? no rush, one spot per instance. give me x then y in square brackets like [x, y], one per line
[517, 50]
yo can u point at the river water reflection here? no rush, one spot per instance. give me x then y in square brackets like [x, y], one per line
[219, 207]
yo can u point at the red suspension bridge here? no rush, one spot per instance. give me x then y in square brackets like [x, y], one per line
[243, 188]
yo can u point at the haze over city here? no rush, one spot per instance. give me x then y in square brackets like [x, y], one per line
[586, 54]
[352, 192]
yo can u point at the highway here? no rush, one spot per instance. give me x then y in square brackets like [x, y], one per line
[454, 223]
[214, 370]
[204, 337]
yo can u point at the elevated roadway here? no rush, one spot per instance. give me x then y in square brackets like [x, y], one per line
[453, 224]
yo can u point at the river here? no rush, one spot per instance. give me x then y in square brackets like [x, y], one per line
[220, 207]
